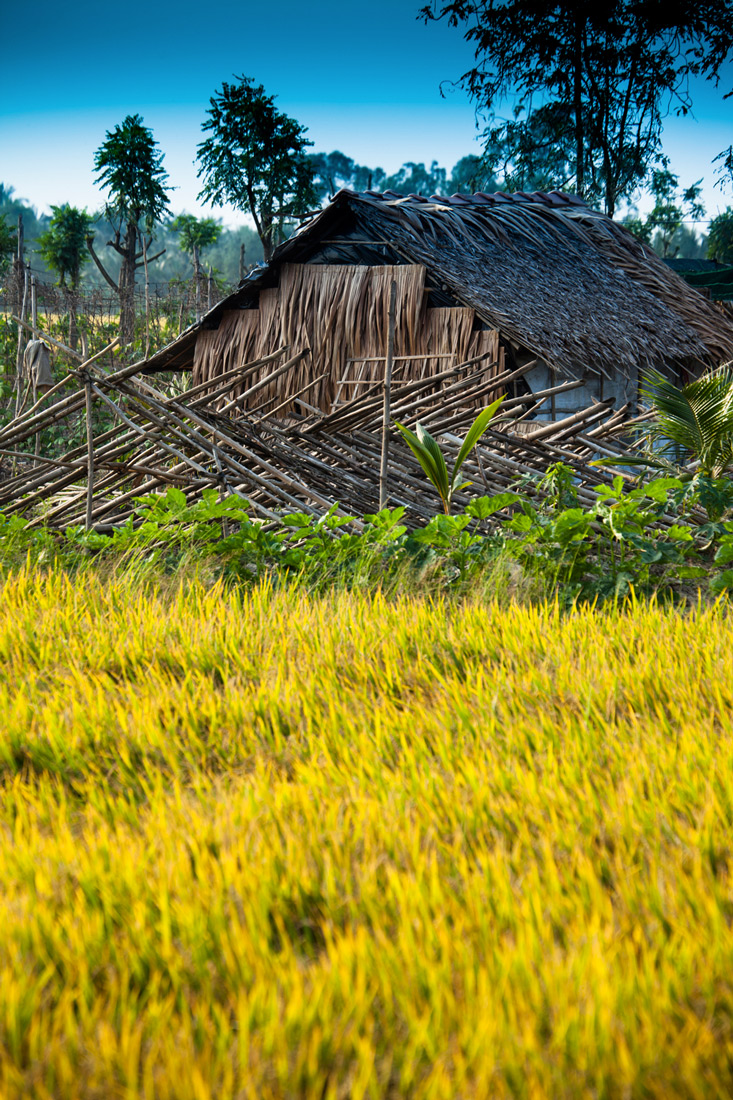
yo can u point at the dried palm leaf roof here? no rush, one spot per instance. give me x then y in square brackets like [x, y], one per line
[555, 277]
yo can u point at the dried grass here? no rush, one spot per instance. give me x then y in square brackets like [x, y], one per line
[340, 313]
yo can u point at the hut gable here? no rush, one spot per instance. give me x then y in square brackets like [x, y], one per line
[548, 274]
[337, 313]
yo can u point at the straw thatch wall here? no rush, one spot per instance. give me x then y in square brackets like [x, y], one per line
[340, 313]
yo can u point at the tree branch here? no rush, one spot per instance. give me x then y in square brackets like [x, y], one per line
[151, 258]
[101, 266]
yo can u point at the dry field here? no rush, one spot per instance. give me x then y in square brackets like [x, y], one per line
[269, 846]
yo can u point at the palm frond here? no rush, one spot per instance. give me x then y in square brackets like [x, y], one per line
[697, 417]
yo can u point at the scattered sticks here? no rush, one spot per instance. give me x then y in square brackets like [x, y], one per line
[226, 435]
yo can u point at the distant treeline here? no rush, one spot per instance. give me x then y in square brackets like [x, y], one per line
[223, 256]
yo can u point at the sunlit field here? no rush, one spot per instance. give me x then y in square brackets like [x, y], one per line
[266, 845]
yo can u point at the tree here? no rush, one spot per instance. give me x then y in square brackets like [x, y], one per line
[471, 174]
[131, 170]
[612, 69]
[63, 248]
[415, 179]
[662, 226]
[256, 160]
[696, 419]
[720, 237]
[195, 235]
[332, 171]
[8, 243]
[725, 171]
[63, 245]
[533, 153]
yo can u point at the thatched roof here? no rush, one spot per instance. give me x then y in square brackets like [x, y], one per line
[554, 277]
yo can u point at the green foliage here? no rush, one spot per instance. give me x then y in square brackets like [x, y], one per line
[429, 455]
[533, 151]
[196, 233]
[63, 245]
[649, 539]
[255, 158]
[663, 224]
[725, 168]
[130, 168]
[587, 86]
[720, 237]
[332, 171]
[696, 419]
[8, 242]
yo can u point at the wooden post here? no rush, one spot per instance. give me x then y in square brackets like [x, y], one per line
[19, 358]
[147, 296]
[34, 322]
[90, 451]
[387, 396]
[197, 281]
[34, 307]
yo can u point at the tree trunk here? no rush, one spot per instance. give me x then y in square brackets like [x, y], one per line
[71, 296]
[127, 286]
[197, 281]
[578, 109]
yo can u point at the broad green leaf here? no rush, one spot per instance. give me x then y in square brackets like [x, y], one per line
[723, 582]
[483, 507]
[724, 554]
[431, 446]
[427, 460]
[690, 572]
[474, 433]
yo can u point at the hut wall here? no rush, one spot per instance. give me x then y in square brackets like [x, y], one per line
[340, 313]
[597, 386]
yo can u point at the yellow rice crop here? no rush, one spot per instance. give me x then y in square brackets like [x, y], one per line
[264, 845]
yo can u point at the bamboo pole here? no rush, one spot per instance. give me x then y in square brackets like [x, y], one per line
[237, 401]
[387, 397]
[90, 452]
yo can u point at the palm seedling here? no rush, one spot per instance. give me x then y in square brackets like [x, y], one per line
[426, 450]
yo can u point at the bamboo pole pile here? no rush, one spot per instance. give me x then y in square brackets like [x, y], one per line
[304, 461]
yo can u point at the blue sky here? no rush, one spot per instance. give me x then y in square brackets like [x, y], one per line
[363, 78]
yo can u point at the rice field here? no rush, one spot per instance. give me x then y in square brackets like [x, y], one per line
[265, 845]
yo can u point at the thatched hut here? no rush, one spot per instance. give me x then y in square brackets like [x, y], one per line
[517, 276]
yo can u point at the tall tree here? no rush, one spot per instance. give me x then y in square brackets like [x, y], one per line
[255, 159]
[616, 67]
[63, 247]
[130, 168]
[720, 237]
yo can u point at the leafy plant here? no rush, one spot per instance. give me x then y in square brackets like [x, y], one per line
[696, 418]
[429, 455]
